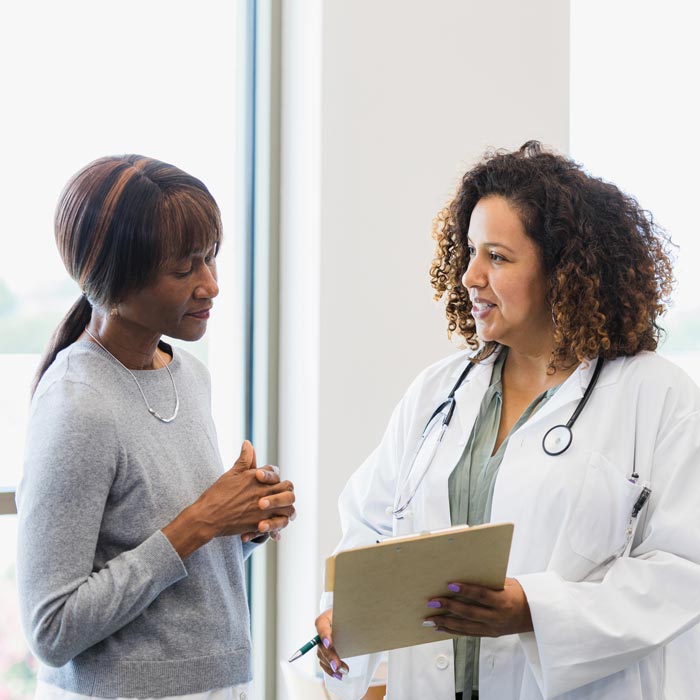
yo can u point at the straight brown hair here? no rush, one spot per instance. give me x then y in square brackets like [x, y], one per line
[118, 221]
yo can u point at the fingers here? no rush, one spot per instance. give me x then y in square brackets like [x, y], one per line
[330, 662]
[257, 537]
[246, 460]
[276, 501]
[268, 474]
[324, 626]
[479, 611]
[271, 524]
[249, 536]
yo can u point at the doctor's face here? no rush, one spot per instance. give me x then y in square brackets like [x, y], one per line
[505, 280]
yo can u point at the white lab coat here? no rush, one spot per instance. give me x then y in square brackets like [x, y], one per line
[610, 622]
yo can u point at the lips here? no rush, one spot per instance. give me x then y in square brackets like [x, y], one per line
[479, 305]
[201, 314]
[481, 309]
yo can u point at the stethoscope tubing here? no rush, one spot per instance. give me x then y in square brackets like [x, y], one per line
[561, 443]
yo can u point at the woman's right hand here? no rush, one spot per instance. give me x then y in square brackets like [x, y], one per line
[245, 499]
[330, 662]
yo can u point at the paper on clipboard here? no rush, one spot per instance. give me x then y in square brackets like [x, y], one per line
[381, 591]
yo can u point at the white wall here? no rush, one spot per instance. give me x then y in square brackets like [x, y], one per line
[385, 105]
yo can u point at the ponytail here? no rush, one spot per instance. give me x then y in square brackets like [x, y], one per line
[67, 332]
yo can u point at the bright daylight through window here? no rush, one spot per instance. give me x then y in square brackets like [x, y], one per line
[634, 120]
[83, 80]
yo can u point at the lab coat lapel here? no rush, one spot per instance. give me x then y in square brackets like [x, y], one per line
[433, 496]
[469, 397]
[572, 391]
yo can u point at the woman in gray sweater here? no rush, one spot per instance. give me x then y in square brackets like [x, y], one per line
[132, 536]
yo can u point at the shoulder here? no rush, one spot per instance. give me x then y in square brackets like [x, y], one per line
[71, 411]
[77, 383]
[438, 378]
[658, 382]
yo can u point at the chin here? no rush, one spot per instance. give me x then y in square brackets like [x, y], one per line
[187, 336]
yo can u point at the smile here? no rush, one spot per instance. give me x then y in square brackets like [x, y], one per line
[481, 309]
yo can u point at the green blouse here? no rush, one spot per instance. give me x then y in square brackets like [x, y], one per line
[471, 493]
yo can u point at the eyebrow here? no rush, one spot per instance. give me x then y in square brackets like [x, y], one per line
[493, 244]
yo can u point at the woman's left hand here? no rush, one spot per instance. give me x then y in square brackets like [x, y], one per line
[482, 612]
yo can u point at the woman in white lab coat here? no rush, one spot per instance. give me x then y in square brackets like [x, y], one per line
[556, 280]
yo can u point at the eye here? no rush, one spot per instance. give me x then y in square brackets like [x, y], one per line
[183, 273]
[210, 257]
[471, 250]
[496, 257]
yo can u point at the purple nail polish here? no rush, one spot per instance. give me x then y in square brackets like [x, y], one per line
[454, 587]
[334, 666]
[326, 643]
[338, 676]
[434, 604]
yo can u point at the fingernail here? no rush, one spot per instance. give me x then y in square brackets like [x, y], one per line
[293, 516]
[264, 527]
[439, 629]
[454, 587]
[338, 676]
[428, 623]
[264, 503]
[326, 643]
[334, 666]
[434, 604]
[343, 671]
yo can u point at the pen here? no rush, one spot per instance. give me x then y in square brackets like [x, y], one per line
[307, 647]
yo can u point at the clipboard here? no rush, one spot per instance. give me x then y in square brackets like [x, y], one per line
[381, 591]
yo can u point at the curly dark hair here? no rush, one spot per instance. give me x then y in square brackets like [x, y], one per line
[608, 264]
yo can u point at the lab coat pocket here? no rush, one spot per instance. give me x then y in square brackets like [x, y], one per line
[601, 518]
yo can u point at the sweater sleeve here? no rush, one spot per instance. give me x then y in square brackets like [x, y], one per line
[67, 602]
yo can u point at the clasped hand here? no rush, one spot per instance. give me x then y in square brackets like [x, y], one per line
[248, 501]
[245, 501]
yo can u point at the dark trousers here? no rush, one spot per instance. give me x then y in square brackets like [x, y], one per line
[475, 695]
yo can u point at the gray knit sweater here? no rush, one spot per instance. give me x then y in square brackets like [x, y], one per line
[107, 604]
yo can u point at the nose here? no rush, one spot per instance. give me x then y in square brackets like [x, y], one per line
[474, 275]
[207, 284]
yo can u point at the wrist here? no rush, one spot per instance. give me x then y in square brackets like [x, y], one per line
[189, 531]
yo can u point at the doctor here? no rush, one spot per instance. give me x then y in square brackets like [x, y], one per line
[561, 419]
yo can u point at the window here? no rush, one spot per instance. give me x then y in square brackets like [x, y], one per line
[82, 80]
[634, 121]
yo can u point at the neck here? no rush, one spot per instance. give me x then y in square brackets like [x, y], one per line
[531, 370]
[134, 349]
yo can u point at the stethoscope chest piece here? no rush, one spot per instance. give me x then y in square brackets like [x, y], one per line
[557, 440]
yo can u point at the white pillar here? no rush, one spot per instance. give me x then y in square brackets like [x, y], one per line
[385, 105]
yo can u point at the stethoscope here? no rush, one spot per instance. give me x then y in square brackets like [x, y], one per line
[555, 441]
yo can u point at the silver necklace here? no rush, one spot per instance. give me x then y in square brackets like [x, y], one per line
[153, 412]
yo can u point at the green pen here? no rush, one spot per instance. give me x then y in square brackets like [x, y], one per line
[307, 647]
